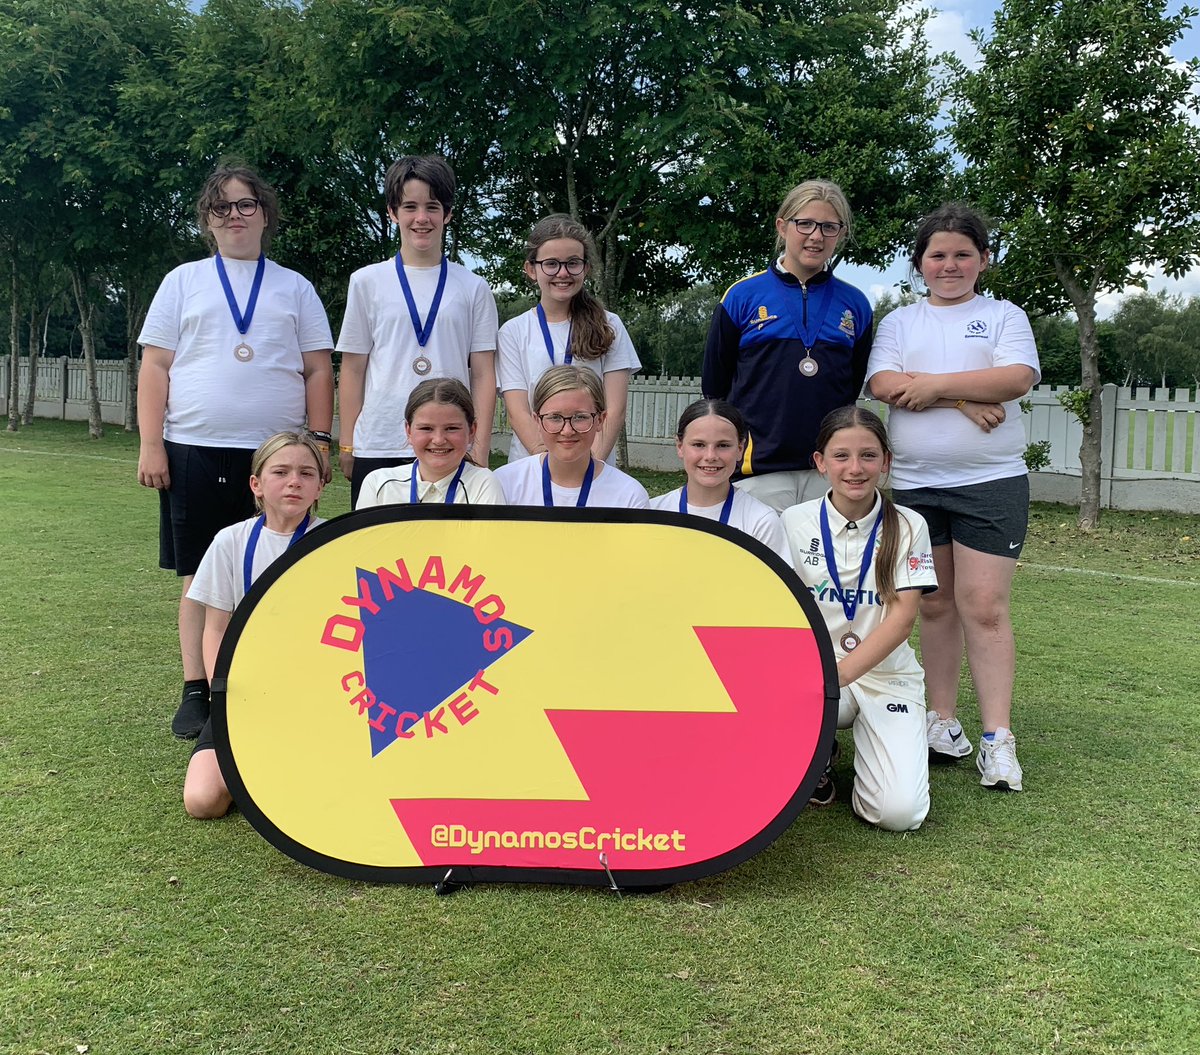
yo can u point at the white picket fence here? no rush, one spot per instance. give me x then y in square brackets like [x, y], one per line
[1150, 441]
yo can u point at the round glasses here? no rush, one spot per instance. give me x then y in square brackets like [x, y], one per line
[829, 228]
[244, 206]
[551, 267]
[579, 422]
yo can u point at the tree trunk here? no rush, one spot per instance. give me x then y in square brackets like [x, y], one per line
[14, 344]
[135, 315]
[87, 333]
[37, 340]
[1084, 302]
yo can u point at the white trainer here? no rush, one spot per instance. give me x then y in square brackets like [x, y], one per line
[947, 741]
[997, 762]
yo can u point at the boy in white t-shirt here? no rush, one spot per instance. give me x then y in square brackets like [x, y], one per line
[412, 317]
[235, 348]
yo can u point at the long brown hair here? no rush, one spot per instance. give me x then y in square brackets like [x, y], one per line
[893, 532]
[591, 334]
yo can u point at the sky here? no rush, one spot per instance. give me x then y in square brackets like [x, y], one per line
[948, 30]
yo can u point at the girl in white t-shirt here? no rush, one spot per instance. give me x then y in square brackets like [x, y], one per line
[439, 423]
[867, 563]
[569, 414]
[954, 367]
[710, 440]
[286, 478]
[568, 325]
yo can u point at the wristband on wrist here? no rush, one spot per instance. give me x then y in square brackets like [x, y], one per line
[323, 448]
[345, 450]
[316, 435]
[960, 404]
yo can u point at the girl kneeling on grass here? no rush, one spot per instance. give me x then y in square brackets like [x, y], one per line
[439, 421]
[710, 441]
[569, 410]
[867, 563]
[286, 478]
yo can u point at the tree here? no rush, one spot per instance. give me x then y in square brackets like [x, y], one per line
[670, 129]
[1078, 131]
[1156, 339]
[77, 157]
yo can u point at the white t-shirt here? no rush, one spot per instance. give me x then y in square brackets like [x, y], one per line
[523, 359]
[747, 514]
[942, 447]
[377, 323]
[611, 488]
[914, 571]
[394, 487]
[214, 399]
[220, 579]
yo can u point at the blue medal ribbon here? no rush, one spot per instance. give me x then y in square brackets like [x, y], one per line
[584, 490]
[545, 325]
[242, 322]
[808, 337]
[252, 545]
[725, 509]
[422, 330]
[848, 606]
[412, 496]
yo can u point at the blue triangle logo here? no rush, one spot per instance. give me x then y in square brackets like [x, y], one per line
[418, 649]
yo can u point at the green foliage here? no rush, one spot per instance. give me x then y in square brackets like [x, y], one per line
[1037, 455]
[1157, 339]
[1077, 401]
[1077, 132]
[669, 332]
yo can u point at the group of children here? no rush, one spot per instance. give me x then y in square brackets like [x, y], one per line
[420, 332]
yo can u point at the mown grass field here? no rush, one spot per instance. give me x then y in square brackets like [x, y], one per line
[1062, 919]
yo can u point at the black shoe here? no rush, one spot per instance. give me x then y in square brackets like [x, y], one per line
[192, 714]
[826, 791]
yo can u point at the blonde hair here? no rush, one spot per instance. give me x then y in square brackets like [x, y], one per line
[560, 379]
[805, 194]
[272, 446]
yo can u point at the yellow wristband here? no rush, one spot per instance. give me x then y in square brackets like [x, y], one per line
[323, 448]
[345, 450]
[960, 404]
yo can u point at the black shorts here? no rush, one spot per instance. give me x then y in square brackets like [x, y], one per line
[363, 466]
[990, 517]
[210, 489]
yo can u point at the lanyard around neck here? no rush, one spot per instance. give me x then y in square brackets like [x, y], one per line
[242, 322]
[450, 492]
[584, 490]
[726, 508]
[252, 545]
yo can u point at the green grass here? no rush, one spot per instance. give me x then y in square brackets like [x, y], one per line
[1062, 919]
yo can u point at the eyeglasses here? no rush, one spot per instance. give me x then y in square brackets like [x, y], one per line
[829, 228]
[579, 422]
[244, 206]
[551, 267]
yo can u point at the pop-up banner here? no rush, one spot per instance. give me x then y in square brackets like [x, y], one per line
[612, 697]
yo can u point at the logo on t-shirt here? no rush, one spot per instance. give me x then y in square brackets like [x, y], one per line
[764, 317]
[847, 323]
[977, 328]
[920, 562]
